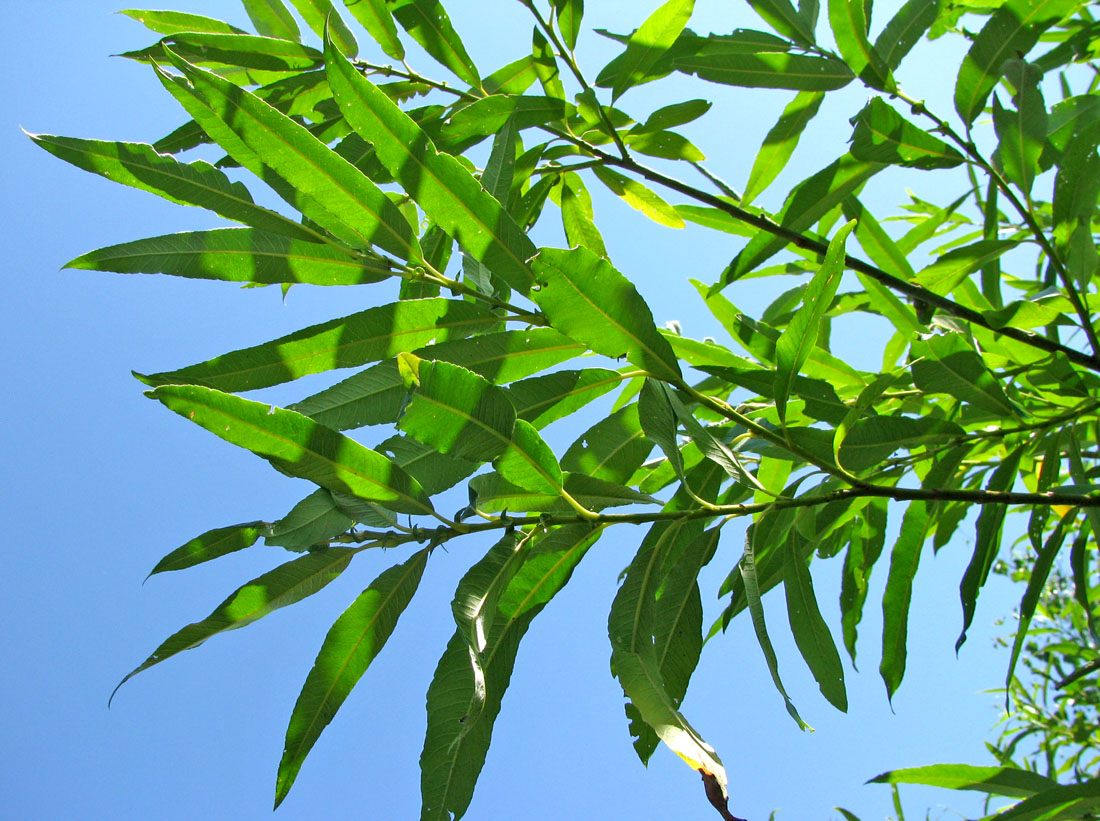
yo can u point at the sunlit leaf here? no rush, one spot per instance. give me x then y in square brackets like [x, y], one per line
[849, 20]
[883, 135]
[646, 46]
[272, 19]
[427, 22]
[768, 70]
[313, 520]
[780, 142]
[210, 545]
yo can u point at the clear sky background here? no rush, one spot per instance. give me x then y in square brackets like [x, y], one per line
[99, 483]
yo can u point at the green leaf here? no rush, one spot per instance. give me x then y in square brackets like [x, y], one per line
[378, 21]
[569, 14]
[793, 348]
[465, 695]
[987, 540]
[780, 142]
[849, 22]
[768, 70]
[1069, 802]
[905, 28]
[947, 272]
[313, 178]
[647, 45]
[197, 183]
[313, 520]
[781, 15]
[1076, 187]
[434, 470]
[665, 144]
[1040, 572]
[612, 449]
[210, 545]
[747, 567]
[427, 22]
[810, 632]
[529, 462]
[370, 335]
[992, 780]
[236, 255]
[458, 412]
[352, 643]
[271, 19]
[298, 446]
[489, 114]
[244, 50]
[670, 116]
[446, 191]
[883, 135]
[904, 559]
[320, 14]
[171, 22]
[577, 216]
[286, 584]
[1011, 31]
[496, 495]
[659, 421]
[588, 300]
[945, 363]
[807, 203]
[638, 197]
[867, 537]
[541, 400]
[1022, 131]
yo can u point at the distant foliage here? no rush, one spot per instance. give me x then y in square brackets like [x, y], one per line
[988, 397]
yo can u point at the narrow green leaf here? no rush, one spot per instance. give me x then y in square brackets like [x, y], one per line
[987, 540]
[352, 643]
[313, 520]
[271, 19]
[883, 135]
[905, 28]
[1076, 187]
[947, 272]
[780, 142]
[427, 22]
[793, 348]
[992, 780]
[569, 14]
[325, 186]
[171, 22]
[659, 421]
[1011, 31]
[321, 13]
[781, 15]
[286, 584]
[1022, 131]
[667, 145]
[807, 203]
[638, 197]
[588, 300]
[197, 183]
[210, 545]
[458, 412]
[529, 462]
[868, 536]
[489, 114]
[798, 72]
[446, 191]
[370, 335]
[435, 471]
[465, 695]
[577, 216]
[298, 446]
[612, 449]
[242, 50]
[647, 45]
[747, 567]
[379, 23]
[945, 363]
[849, 22]
[904, 559]
[670, 116]
[541, 400]
[496, 495]
[809, 629]
[236, 255]
[1040, 572]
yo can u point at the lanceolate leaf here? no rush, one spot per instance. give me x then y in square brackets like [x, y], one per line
[370, 335]
[785, 19]
[298, 446]
[170, 22]
[438, 182]
[1022, 130]
[883, 135]
[211, 545]
[313, 520]
[848, 19]
[244, 50]
[541, 400]
[489, 114]
[466, 691]
[905, 29]
[768, 70]
[528, 462]
[196, 183]
[237, 255]
[352, 643]
[945, 363]
[569, 13]
[286, 584]
[271, 18]
[794, 346]
[904, 560]
[321, 13]
[1011, 32]
[992, 780]
[638, 197]
[588, 300]
[648, 44]
[781, 142]
[378, 21]
[1040, 572]
[326, 187]
[427, 22]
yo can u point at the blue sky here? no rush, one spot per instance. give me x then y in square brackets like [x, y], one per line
[100, 483]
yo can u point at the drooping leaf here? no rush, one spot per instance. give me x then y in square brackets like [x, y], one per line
[465, 695]
[1040, 572]
[427, 22]
[237, 255]
[867, 538]
[244, 50]
[298, 446]
[849, 22]
[905, 28]
[577, 216]
[904, 559]
[314, 520]
[321, 13]
[352, 643]
[638, 197]
[446, 191]
[883, 135]
[585, 298]
[793, 348]
[272, 19]
[1010, 32]
[286, 584]
[378, 21]
[1022, 130]
[785, 19]
[780, 142]
[647, 45]
[210, 545]
[529, 462]
[367, 336]
[489, 114]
